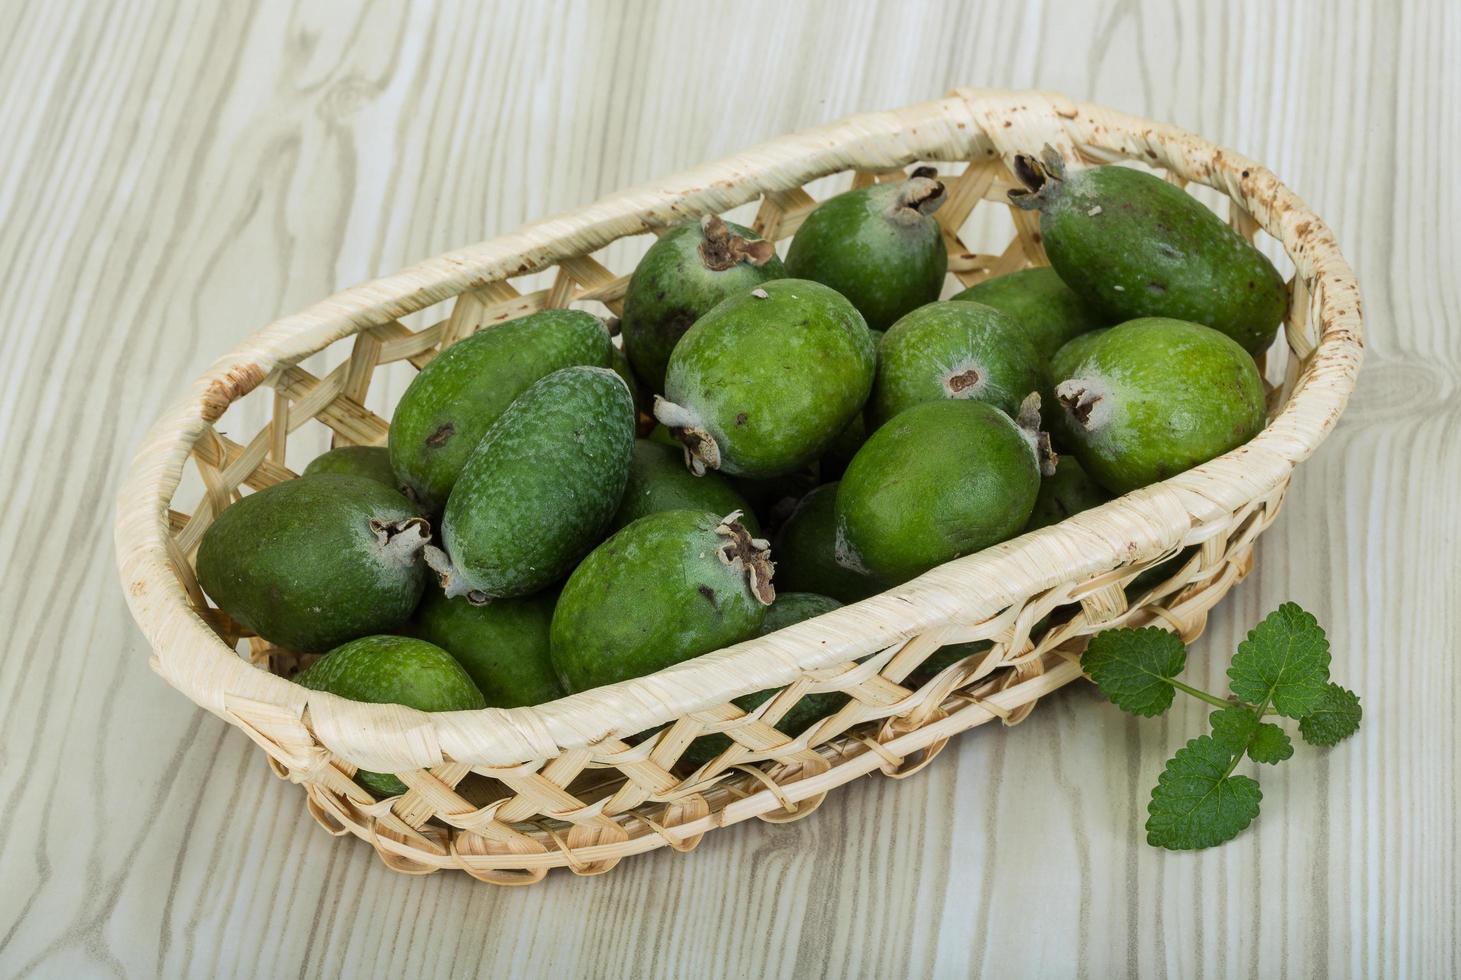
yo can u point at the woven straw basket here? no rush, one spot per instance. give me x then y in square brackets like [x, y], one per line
[506, 795]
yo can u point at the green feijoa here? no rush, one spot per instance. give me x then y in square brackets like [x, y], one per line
[503, 645]
[954, 350]
[659, 481]
[371, 462]
[794, 607]
[764, 382]
[667, 588]
[310, 563]
[393, 670]
[935, 482]
[1069, 490]
[805, 552]
[834, 461]
[1155, 396]
[878, 246]
[447, 408]
[1044, 305]
[689, 270]
[1133, 245]
[540, 488]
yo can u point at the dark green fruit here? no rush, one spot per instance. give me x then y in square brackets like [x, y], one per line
[503, 645]
[805, 552]
[680, 278]
[764, 382]
[658, 481]
[667, 588]
[935, 482]
[794, 607]
[448, 407]
[834, 461]
[878, 246]
[1133, 245]
[620, 365]
[540, 488]
[308, 564]
[773, 499]
[954, 351]
[1153, 397]
[371, 462]
[392, 670]
[1069, 490]
[1045, 306]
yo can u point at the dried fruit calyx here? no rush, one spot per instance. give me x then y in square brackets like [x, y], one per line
[919, 195]
[720, 249]
[1041, 178]
[751, 556]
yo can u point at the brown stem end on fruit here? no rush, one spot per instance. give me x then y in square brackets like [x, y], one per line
[1028, 420]
[720, 249]
[748, 555]
[701, 451]
[918, 195]
[1042, 178]
[1086, 401]
[451, 579]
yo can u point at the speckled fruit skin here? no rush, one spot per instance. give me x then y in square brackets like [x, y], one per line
[1134, 245]
[886, 259]
[805, 552]
[672, 287]
[447, 408]
[937, 481]
[1069, 491]
[503, 646]
[300, 564]
[1049, 310]
[772, 374]
[658, 481]
[1153, 397]
[540, 488]
[954, 351]
[655, 594]
[371, 462]
[393, 670]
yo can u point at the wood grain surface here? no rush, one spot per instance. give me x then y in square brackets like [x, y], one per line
[174, 174]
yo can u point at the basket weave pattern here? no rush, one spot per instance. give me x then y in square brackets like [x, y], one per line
[567, 784]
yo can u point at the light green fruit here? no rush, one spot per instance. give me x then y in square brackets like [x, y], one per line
[682, 276]
[371, 462]
[310, 563]
[1133, 245]
[937, 481]
[794, 607]
[667, 588]
[448, 407]
[954, 351]
[1049, 311]
[502, 645]
[540, 489]
[393, 670]
[1153, 397]
[805, 551]
[765, 381]
[879, 246]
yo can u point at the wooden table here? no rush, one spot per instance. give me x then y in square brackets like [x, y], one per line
[176, 174]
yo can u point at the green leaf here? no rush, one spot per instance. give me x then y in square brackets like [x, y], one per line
[1197, 801]
[1239, 729]
[1133, 667]
[1283, 662]
[1336, 718]
[1270, 744]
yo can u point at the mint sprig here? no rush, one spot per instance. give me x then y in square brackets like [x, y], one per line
[1280, 670]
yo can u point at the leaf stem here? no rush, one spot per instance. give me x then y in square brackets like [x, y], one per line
[1201, 695]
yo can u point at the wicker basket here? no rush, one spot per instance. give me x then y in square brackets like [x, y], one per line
[507, 794]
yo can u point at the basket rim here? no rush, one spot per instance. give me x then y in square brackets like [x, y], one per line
[968, 125]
